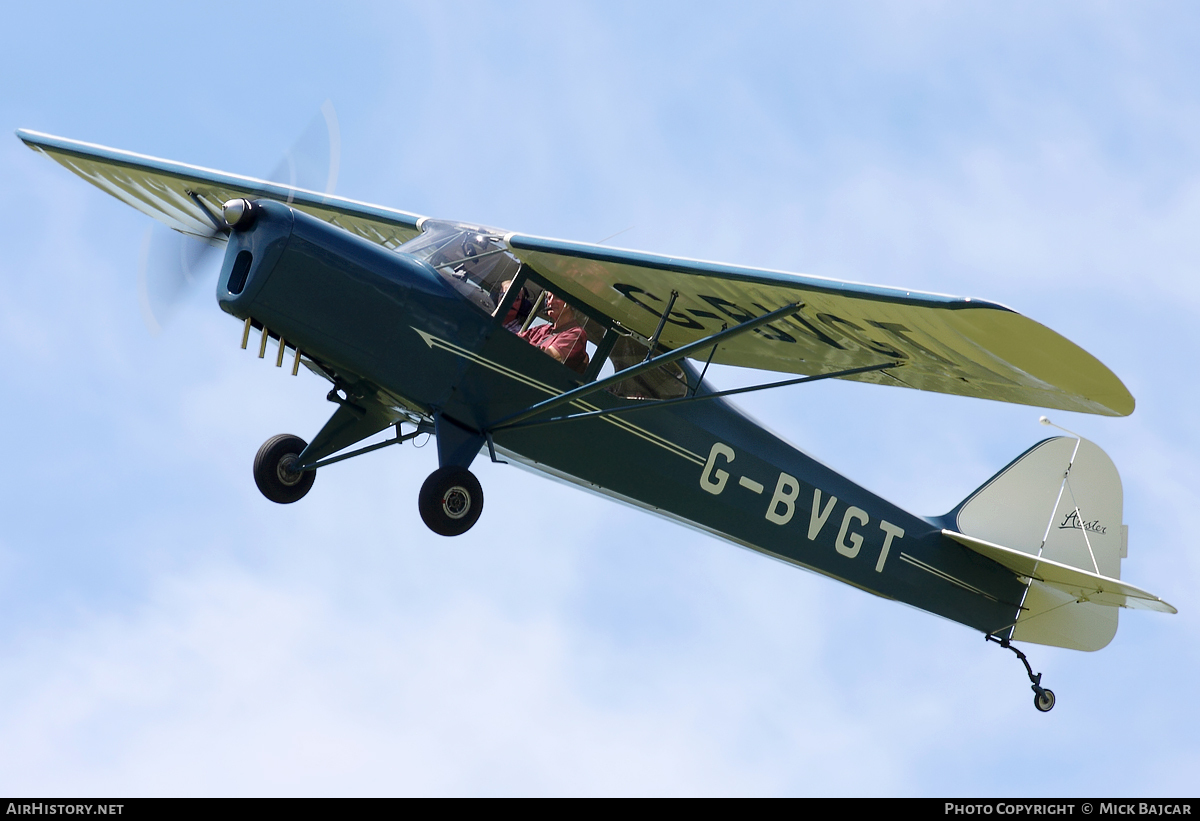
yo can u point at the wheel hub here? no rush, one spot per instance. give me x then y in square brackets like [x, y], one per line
[286, 470]
[457, 502]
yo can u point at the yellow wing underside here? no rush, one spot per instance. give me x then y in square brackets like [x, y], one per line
[939, 343]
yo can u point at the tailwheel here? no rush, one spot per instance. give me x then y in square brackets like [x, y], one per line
[1043, 699]
[275, 469]
[450, 501]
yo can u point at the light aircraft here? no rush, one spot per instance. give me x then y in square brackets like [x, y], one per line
[429, 326]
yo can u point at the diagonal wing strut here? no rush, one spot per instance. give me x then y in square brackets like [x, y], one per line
[716, 395]
[650, 364]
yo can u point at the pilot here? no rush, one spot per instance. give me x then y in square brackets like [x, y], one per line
[562, 337]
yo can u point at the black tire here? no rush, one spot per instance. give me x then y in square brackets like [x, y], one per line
[1044, 700]
[272, 474]
[450, 501]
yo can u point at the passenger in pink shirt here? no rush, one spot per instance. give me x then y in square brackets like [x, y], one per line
[562, 337]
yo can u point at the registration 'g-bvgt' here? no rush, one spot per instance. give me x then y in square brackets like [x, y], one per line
[588, 363]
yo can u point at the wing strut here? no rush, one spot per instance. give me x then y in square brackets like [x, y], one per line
[219, 225]
[707, 362]
[685, 399]
[648, 365]
[661, 324]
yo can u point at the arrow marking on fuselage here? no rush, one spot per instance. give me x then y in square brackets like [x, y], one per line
[437, 343]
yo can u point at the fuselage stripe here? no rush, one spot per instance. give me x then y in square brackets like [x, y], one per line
[642, 433]
[917, 563]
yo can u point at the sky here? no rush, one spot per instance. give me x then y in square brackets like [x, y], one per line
[164, 630]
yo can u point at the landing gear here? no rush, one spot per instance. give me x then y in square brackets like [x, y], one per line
[1043, 699]
[275, 473]
[450, 501]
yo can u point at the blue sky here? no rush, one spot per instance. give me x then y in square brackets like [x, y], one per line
[165, 630]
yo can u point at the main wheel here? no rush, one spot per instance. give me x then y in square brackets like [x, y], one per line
[450, 501]
[275, 473]
[1044, 700]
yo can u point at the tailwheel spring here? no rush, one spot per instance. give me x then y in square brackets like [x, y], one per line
[1043, 698]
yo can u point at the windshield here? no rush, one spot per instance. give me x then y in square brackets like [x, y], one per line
[474, 259]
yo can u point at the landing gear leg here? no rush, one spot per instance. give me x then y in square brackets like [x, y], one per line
[1043, 699]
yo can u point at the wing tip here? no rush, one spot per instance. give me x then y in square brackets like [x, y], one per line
[1118, 401]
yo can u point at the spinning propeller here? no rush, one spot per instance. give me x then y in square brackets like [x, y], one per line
[172, 262]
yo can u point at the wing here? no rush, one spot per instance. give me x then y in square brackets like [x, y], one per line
[946, 344]
[187, 197]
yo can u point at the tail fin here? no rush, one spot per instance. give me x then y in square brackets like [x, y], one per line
[1054, 516]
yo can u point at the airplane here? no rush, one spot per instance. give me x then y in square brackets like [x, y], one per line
[589, 363]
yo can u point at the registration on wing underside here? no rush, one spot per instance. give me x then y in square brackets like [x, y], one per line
[945, 344]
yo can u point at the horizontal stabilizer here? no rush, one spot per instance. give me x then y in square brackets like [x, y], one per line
[1080, 584]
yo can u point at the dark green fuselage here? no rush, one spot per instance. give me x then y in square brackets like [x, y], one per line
[392, 330]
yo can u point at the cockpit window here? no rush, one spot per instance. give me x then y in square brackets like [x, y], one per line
[477, 262]
[472, 258]
[665, 382]
[550, 323]
[562, 329]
